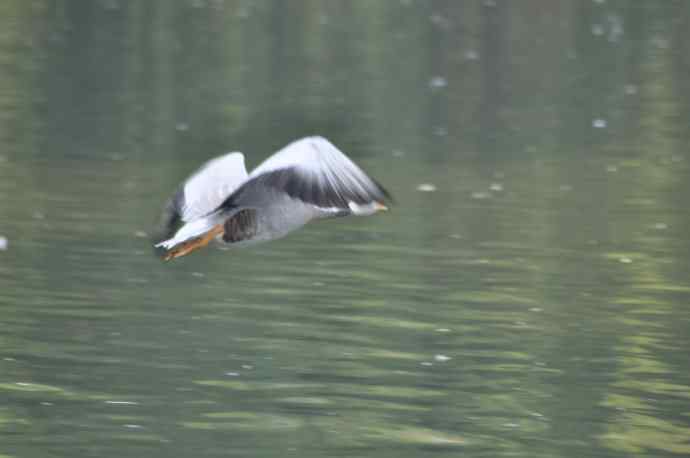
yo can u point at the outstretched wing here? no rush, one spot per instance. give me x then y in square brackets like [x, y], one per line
[205, 190]
[313, 171]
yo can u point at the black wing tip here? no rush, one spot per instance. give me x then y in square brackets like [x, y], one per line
[171, 218]
[388, 197]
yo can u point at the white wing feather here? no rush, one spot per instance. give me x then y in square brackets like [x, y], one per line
[314, 155]
[206, 189]
[322, 175]
[190, 230]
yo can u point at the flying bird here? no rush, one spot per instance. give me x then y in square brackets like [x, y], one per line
[308, 179]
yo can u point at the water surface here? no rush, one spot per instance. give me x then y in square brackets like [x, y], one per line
[526, 296]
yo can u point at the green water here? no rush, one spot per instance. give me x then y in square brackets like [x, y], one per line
[535, 303]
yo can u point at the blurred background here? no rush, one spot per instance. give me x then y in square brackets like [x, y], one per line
[527, 296]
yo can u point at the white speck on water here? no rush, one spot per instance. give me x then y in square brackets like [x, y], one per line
[442, 358]
[426, 363]
[481, 195]
[23, 384]
[243, 12]
[141, 234]
[398, 153]
[599, 123]
[611, 168]
[124, 403]
[111, 5]
[131, 426]
[597, 30]
[565, 188]
[44, 403]
[535, 309]
[437, 82]
[247, 366]
[615, 27]
[630, 89]
[471, 54]
[439, 21]
[442, 330]
[8, 359]
[498, 187]
[455, 236]
[426, 187]
[198, 274]
[625, 260]
[38, 215]
[511, 425]
[4, 243]
[181, 127]
[232, 374]
[440, 131]
[660, 42]
[660, 226]
[599, 2]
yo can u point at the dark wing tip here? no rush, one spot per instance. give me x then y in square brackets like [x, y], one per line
[171, 218]
[384, 192]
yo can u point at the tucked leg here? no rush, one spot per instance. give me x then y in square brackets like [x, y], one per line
[187, 247]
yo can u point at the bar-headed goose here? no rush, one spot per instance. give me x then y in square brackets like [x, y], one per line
[308, 179]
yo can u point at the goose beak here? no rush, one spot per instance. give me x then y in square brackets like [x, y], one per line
[378, 206]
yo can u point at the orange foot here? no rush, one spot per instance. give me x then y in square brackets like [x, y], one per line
[188, 246]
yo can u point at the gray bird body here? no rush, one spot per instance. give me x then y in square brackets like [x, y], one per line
[278, 215]
[308, 179]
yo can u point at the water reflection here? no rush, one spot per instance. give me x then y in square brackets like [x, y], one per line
[526, 297]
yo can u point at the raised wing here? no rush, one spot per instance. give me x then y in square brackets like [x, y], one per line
[313, 171]
[205, 190]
